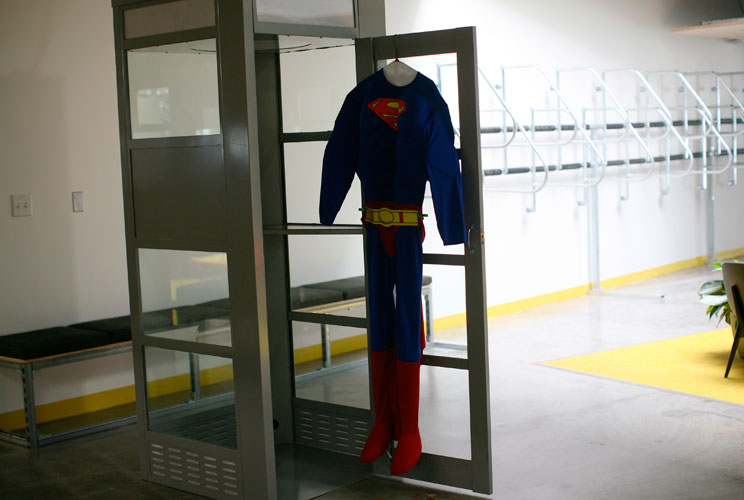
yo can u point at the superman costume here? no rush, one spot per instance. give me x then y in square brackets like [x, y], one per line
[395, 139]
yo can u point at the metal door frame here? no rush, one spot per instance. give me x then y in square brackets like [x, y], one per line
[474, 474]
[342, 428]
[252, 463]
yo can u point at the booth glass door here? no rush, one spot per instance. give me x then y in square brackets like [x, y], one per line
[331, 401]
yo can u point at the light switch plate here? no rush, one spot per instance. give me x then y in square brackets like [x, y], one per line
[77, 201]
[20, 205]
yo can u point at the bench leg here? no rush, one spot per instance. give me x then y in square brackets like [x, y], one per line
[325, 345]
[429, 311]
[29, 404]
[195, 376]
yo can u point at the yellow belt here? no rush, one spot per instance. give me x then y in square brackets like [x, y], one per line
[388, 217]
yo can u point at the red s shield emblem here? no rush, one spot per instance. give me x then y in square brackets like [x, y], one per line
[388, 109]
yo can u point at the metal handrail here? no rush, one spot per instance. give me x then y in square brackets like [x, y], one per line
[506, 110]
[546, 169]
[704, 122]
[554, 88]
[707, 128]
[666, 116]
[734, 134]
[604, 126]
[517, 126]
[559, 143]
[623, 113]
[720, 83]
[577, 129]
[495, 92]
[707, 116]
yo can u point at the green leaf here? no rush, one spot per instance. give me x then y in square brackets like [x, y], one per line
[716, 265]
[714, 300]
[726, 315]
[710, 287]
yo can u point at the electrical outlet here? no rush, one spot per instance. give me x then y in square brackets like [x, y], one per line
[77, 201]
[21, 205]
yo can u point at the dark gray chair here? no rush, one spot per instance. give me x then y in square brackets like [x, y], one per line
[733, 280]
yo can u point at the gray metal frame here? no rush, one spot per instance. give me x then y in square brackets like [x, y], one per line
[253, 463]
[476, 473]
[325, 329]
[472, 474]
[255, 239]
[27, 368]
[306, 30]
[369, 19]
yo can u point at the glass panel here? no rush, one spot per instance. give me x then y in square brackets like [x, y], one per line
[191, 396]
[12, 416]
[314, 83]
[303, 164]
[442, 70]
[327, 274]
[444, 412]
[444, 306]
[65, 398]
[339, 13]
[168, 17]
[173, 90]
[343, 377]
[185, 295]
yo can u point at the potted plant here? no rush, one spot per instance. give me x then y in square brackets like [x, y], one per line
[713, 294]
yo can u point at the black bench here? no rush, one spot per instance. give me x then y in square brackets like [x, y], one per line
[351, 292]
[33, 350]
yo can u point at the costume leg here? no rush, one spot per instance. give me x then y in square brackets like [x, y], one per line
[408, 346]
[408, 451]
[382, 354]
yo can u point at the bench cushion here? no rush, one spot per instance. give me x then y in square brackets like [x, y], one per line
[351, 288]
[184, 315]
[119, 329]
[194, 314]
[303, 296]
[218, 304]
[50, 341]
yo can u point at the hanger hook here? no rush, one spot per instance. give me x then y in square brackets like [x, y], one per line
[395, 45]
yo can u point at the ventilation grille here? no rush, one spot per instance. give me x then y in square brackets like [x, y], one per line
[331, 430]
[215, 426]
[188, 470]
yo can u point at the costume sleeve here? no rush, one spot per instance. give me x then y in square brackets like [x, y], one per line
[445, 178]
[340, 160]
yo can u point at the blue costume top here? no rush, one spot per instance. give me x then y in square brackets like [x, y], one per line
[395, 139]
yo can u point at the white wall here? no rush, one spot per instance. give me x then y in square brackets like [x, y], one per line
[58, 133]
[546, 251]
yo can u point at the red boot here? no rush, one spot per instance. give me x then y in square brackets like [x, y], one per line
[408, 451]
[384, 392]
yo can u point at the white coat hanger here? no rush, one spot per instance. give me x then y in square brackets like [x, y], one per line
[397, 72]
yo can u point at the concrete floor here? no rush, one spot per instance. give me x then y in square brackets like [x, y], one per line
[563, 435]
[555, 434]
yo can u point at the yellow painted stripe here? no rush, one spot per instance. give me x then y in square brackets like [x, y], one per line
[569, 293]
[651, 273]
[693, 364]
[115, 397]
[349, 344]
[539, 300]
[452, 321]
[13, 420]
[338, 346]
[730, 254]
[111, 398]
